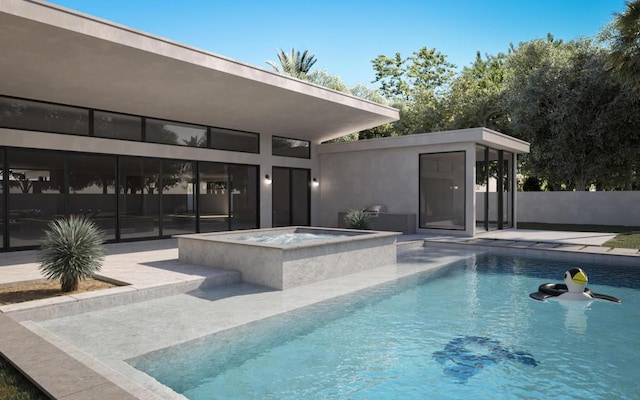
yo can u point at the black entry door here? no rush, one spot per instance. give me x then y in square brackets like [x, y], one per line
[291, 196]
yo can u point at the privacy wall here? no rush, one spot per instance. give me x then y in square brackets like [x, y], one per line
[583, 208]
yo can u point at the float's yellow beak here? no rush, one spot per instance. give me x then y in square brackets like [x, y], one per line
[580, 278]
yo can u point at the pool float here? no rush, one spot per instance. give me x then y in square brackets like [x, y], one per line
[574, 289]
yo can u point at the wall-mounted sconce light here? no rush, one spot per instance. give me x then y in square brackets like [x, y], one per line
[267, 179]
[315, 183]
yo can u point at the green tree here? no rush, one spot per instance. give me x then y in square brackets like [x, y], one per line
[560, 98]
[294, 64]
[416, 86]
[323, 78]
[476, 95]
[624, 38]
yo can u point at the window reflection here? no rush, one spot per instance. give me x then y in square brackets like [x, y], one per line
[243, 181]
[139, 197]
[127, 197]
[178, 197]
[36, 184]
[46, 117]
[214, 197]
[92, 190]
[117, 126]
[224, 139]
[2, 220]
[159, 131]
[290, 147]
[442, 190]
[291, 193]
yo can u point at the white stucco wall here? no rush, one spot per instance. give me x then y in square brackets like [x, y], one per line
[387, 176]
[583, 208]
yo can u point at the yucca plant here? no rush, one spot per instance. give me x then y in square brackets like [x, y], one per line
[71, 251]
[357, 219]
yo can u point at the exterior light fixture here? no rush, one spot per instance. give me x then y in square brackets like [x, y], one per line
[267, 179]
[315, 182]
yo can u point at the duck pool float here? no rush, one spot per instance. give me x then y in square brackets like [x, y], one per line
[574, 289]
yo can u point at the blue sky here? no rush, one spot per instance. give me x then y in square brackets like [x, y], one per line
[345, 35]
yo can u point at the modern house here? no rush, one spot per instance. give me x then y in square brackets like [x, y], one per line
[151, 138]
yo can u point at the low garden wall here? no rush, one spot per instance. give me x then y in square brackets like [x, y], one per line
[583, 208]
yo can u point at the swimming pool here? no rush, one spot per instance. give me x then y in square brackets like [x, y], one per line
[468, 330]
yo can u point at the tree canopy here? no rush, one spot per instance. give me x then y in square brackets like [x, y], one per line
[624, 58]
[576, 102]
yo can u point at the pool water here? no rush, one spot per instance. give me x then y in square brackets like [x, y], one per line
[468, 330]
[289, 238]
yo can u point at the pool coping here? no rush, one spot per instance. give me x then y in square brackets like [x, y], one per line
[39, 354]
[543, 249]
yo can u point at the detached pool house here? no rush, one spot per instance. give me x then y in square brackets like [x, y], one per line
[151, 138]
[455, 182]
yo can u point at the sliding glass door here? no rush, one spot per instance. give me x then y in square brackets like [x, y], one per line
[291, 197]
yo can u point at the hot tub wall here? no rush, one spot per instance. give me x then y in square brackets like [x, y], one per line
[287, 266]
[258, 264]
[306, 265]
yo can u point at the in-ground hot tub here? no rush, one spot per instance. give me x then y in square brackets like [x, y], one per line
[283, 258]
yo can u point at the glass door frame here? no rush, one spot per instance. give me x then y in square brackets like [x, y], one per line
[500, 175]
[291, 195]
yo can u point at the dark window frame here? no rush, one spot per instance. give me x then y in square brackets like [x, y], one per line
[307, 157]
[464, 214]
[4, 164]
[211, 133]
[290, 183]
[88, 110]
[91, 126]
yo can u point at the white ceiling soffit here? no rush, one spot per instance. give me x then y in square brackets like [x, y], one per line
[59, 55]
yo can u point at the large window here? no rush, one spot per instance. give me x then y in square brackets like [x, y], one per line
[36, 194]
[213, 198]
[92, 190]
[178, 197]
[46, 117]
[127, 197]
[290, 147]
[159, 131]
[224, 139]
[117, 126]
[442, 190]
[228, 197]
[139, 197]
[3, 221]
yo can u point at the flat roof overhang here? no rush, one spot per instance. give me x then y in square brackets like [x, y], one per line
[59, 55]
[481, 136]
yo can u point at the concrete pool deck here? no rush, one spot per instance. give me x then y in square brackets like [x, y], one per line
[92, 342]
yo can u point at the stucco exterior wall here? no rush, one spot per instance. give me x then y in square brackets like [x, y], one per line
[387, 176]
[583, 208]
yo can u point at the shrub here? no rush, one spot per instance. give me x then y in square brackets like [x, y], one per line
[71, 250]
[357, 219]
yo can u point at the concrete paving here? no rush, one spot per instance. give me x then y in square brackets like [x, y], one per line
[585, 238]
[39, 337]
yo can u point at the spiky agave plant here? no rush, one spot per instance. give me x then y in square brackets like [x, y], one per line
[71, 251]
[357, 219]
